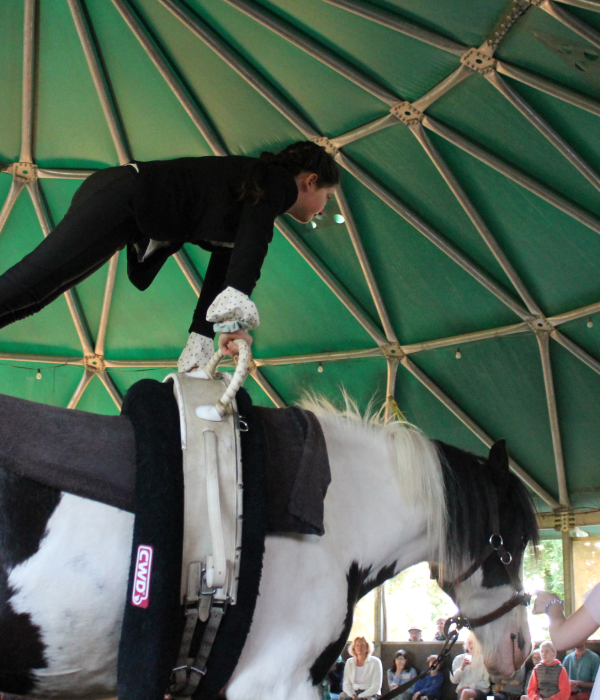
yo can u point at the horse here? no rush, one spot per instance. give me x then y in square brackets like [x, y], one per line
[396, 498]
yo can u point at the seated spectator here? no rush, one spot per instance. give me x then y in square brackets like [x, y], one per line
[511, 688]
[582, 667]
[549, 678]
[439, 627]
[430, 687]
[534, 659]
[401, 672]
[336, 678]
[469, 674]
[363, 672]
[415, 634]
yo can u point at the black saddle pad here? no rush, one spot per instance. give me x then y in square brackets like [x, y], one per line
[153, 618]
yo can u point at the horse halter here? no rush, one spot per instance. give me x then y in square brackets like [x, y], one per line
[495, 545]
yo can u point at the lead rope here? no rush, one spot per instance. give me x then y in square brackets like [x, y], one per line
[451, 637]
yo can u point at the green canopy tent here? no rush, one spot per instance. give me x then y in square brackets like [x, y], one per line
[457, 268]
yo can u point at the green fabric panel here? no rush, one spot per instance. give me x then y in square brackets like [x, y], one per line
[421, 408]
[97, 400]
[155, 123]
[541, 44]
[66, 95]
[56, 387]
[427, 295]
[462, 20]
[331, 243]
[224, 94]
[364, 45]
[363, 379]
[330, 102]
[555, 256]
[577, 390]
[298, 312]
[152, 324]
[11, 76]
[58, 194]
[397, 160]
[492, 122]
[499, 384]
[51, 330]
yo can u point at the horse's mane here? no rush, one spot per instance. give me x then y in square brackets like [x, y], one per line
[416, 459]
[454, 486]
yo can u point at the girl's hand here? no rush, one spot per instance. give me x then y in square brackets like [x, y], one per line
[226, 344]
[542, 598]
[416, 696]
[465, 662]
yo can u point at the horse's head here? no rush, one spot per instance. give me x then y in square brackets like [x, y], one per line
[490, 521]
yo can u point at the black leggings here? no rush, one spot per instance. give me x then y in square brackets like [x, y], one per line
[99, 222]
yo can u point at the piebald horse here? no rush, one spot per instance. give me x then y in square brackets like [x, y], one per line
[396, 498]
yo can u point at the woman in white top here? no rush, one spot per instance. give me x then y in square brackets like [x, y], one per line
[570, 632]
[470, 675]
[363, 672]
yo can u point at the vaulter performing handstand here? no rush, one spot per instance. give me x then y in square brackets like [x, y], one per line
[225, 204]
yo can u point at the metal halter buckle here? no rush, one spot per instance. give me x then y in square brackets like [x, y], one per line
[496, 541]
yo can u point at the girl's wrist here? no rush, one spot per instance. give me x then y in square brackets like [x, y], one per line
[554, 601]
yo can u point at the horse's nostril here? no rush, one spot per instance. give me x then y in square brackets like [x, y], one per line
[513, 636]
[521, 640]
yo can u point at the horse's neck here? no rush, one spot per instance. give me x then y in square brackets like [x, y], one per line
[367, 514]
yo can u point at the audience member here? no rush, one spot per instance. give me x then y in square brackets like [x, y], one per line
[415, 634]
[511, 688]
[469, 674]
[430, 687]
[549, 678]
[534, 659]
[439, 627]
[363, 672]
[401, 672]
[582, 668]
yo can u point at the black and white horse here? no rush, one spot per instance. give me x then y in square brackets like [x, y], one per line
[396, 498]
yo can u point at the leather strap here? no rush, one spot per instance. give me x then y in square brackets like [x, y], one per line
[216, 575]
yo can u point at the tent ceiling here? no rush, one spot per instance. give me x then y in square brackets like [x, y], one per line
[457, 269]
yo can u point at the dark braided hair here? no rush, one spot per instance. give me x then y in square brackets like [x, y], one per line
[299, 157]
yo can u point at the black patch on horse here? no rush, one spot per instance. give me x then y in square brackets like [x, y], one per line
[25, 509]
[357, 588]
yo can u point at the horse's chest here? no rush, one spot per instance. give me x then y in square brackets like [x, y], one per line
[73, 589]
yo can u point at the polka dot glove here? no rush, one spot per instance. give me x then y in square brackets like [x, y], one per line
[197, 352]
[232, 311]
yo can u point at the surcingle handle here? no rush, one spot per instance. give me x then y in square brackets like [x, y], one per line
[215, 413]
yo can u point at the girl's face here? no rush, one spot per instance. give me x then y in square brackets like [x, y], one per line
[548, 654]
[311, 199]
[400, 663]
[536, 658]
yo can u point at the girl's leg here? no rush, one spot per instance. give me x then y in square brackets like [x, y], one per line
[99, 222]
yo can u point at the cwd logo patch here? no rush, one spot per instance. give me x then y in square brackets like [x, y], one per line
[141, 580]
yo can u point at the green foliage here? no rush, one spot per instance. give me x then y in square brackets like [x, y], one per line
[546, 570]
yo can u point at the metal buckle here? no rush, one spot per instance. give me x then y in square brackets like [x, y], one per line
[496, 538]
[505, 557]
[243, 425]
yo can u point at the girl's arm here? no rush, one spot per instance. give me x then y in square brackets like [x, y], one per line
[565, 632]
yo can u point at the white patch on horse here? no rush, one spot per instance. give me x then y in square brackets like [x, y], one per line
[386, 492]
[74, 589]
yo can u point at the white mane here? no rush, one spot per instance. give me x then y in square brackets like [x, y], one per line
[416, 461]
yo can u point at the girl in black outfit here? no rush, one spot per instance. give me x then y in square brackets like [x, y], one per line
[225, 204]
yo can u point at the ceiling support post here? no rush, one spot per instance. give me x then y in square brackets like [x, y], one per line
[543, 342]
[28, 99]
[333, 285]
[106, 99]
[544, 128]
[87, 377]
[266, 386]
[111, 387]
[16, 187]
[576, 350]
[474, 428]
[513, 174]
[390, 390]
[186, 101]
[573, 23]
[432, 235]
[476, 219]
[189, 270]
[106, 302]
[365, 265]
[250, 75]
[568, 573]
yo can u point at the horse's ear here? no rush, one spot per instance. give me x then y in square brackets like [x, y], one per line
[498, 459]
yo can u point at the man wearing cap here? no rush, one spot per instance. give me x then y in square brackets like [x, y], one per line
[439, 629]
[414, 634]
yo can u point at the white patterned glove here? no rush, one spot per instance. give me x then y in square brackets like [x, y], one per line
[197, 352]
[232, 311]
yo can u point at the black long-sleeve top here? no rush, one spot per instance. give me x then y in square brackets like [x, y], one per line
[197, 200]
